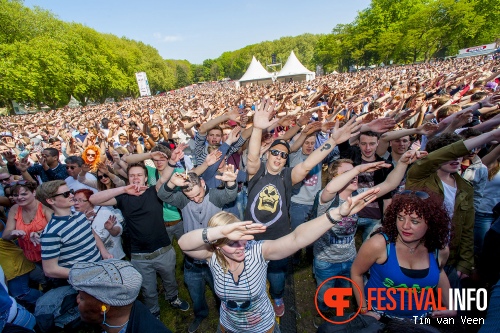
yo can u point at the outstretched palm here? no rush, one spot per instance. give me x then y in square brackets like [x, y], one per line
[263, 114]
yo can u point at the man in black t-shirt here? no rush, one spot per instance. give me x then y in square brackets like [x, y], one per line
[270, 188]
[151, 249]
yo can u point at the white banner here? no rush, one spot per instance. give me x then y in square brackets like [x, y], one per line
[142, 82]
[478, 48]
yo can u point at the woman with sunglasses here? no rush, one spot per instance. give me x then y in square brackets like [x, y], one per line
[239, 264]
[410, 252]
[105, 178]
[105, 221]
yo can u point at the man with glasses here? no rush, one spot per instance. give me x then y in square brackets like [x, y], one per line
[270, 187]
[47, 169]
[73, 168]
[63, 231]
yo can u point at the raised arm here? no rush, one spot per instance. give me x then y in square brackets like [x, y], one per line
[339, 135]
[260, 122]
[233, 114]
[310, 231]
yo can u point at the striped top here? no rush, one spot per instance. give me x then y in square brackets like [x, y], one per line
[251, 286]
[70, 239]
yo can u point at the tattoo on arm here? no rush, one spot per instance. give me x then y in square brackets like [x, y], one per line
[326, 147]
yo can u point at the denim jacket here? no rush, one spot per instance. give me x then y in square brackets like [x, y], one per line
[57, 307]
[477, 175]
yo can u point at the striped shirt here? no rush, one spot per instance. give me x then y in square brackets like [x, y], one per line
[70, 239]
[251, 286]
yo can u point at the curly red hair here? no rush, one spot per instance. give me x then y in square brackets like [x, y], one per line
[431, 210]
[93, 165]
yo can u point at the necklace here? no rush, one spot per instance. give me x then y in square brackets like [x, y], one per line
[412, 249]
[234, 270]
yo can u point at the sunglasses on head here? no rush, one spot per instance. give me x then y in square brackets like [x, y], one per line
[64, 194]
[102, 176]
[420, 194]
[275, 152]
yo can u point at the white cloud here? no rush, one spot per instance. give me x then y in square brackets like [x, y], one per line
[166, 39]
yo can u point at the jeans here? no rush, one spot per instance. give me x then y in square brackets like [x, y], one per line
[366, 224]
[298, 214]
[164, 265]
[175, 231]
[276, 275]
[24, 318]
[492, 321]
[20, 290]
[482, 223]
[241, 201]
[196, 276]
[323, 270]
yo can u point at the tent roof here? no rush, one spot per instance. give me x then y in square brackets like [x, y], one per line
[255, 72]
[293, 67]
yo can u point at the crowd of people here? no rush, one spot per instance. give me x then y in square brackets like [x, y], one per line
[403, 159]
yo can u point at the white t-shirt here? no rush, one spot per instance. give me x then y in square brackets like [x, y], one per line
[449, 198]
[112, 243]
[75, 185]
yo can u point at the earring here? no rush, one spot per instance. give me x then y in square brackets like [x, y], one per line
[104, 308]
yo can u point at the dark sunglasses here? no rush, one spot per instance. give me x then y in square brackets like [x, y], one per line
[275, 152]
[233, 306]
[102, 176]
[420, 194]
[5, 179]
[91, 155]
[71, 167]
[64, 194]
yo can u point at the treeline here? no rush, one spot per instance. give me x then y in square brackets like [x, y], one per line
[46, 60]
[407, 31]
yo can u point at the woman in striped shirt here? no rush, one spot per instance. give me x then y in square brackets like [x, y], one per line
[239, 264]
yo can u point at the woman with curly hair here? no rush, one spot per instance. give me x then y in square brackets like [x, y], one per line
[410, 252]
[92, 156]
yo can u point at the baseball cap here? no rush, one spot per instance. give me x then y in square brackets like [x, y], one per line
[280, 142]
[114, 282]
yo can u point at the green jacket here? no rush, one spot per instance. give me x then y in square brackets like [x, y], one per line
[422, 174]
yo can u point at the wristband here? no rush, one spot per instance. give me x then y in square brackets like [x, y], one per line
[205, 237]
[170, 165]
[363, 310]
[331, 219]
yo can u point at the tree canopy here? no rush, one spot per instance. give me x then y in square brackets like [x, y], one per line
[46, 60]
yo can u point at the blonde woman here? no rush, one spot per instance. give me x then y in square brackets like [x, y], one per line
[239, 264]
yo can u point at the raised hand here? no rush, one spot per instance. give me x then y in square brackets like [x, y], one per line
[178, 152]
[23, 165]
[86, 167]
[427, 129]
[381, 125]
[213, 157]
[312, 127]
[9, 157]
[135, 189]
[234, 135]
[179, 179]
[228, 174]
[354, 204]
[286, 121]
[158, 154]
[411, 156]
[242, 230]
[110, 222]
[234, 114]
[371, 167]
[325, 127]
[261, 118]
[345, 132]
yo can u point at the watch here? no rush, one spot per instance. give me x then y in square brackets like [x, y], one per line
[205, 238]
[331, 219]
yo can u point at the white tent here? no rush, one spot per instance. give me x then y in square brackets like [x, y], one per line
[255, 74]
[294, 69]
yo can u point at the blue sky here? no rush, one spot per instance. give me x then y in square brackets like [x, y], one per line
[199, 30]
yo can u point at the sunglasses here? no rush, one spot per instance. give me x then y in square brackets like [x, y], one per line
[64, 194]
[4, 179]
[275, 152]
[71, 167]
[242, 306]
[91, 155]
[420, 194]
[102, 176]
